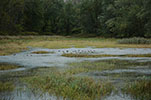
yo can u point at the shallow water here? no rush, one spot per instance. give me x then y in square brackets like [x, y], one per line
[21, 92]
[28, 61]
[118, 96]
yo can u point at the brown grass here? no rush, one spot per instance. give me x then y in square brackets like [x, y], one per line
[40, 52]
[4, 66]
[105, 55]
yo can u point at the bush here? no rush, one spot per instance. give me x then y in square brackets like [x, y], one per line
[3, 33]
[135, 40]
[28, 33]
[148, 35]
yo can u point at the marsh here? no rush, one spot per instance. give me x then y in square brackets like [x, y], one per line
[46, 74]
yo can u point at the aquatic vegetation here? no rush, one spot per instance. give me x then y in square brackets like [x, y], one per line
[70, 87]
[135, 40]
[104, 55]
[5, 66]
[64, 82]
[89, 66]
[6, 86]
[41, 52]
[139, 89]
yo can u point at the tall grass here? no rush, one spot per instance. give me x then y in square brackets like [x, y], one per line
[74, 88]
[135, 40]
[140, 90]
[6, 86]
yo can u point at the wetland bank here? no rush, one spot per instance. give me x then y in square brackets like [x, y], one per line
[38, 68]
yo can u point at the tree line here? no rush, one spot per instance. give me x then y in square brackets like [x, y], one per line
[107, 18]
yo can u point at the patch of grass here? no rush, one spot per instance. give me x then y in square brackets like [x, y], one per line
[5, 66]
[14, 44]
[104, 55]
[6, 86]
[139, 89]
[135, 41]
[88, 66]
[70, 87]
[41, 52]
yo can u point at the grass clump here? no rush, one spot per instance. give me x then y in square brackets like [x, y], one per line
[104, 55]
[135, 40]
[139, 89]
[41, 52]
[74, 88]
[6, 86]
[5, 66]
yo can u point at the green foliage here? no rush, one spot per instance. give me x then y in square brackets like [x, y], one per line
[127, 21]
[90, 11]
[52, 15]
[28, 33]
[107, 18]
[11, 16]
[33, 15]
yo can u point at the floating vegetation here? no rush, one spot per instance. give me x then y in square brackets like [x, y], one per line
[104, 55]
[140, 90]
[5, 66]
[41, 52]
[6, 86]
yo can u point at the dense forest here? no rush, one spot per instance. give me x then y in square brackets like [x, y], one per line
[106, 18]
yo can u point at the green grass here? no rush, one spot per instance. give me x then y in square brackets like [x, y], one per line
[14, 44]
[6, 86]
[140, 90]
[104, 55]
[5, 66]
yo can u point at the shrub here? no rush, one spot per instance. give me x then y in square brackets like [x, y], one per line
[28, 33]
[135, 40]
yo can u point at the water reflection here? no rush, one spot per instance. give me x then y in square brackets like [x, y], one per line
[21, 92]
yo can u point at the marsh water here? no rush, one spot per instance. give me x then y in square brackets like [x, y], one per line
[30, 62]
